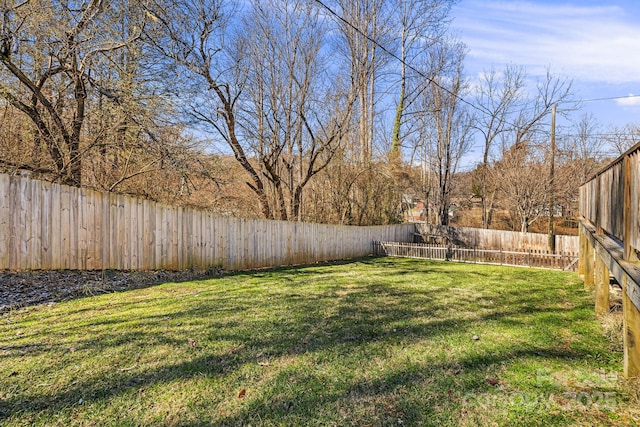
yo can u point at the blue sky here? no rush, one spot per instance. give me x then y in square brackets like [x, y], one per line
[597, 43]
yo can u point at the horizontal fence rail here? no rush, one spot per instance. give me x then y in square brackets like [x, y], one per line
[494, 239]
[45, 226]
[538, 259]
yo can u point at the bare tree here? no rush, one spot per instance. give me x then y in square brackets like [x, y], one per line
[363, 29]
[530, 135]
[583, 148]
[533, 116]
[130, 127]
[264, 86]
[498, 94]
[623, 138]
[83, 83]
[46, 73]
[192, 36]
[422, 24]
[296, 112]
[447, 123]
[521, 177]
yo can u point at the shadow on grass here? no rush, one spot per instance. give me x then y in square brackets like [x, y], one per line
[307, 313]
[391, 396]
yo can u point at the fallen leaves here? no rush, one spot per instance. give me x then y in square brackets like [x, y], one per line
[242, 393]
[492, 381]
[19, 289]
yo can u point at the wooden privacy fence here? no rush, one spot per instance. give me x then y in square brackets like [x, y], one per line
[45, 226]
[495, 239]
[531, 258]
[609, 244]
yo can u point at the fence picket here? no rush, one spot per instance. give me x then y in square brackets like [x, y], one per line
[491, 239]
[52, 226]
[540, 259]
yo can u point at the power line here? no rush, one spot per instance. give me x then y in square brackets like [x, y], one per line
[393, 55]
[396, 57]
[432, 81]
[611, 98]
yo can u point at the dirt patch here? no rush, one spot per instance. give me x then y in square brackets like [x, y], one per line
[19, 289]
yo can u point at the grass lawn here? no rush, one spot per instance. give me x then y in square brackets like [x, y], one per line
[379, 341]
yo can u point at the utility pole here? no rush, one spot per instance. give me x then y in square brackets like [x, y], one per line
[551, 235]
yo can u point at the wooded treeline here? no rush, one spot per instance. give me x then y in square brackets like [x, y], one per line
[323, 111]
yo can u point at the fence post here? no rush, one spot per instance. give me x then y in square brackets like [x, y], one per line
[630, 333]
[629, 252]
[630, 310]
[583, 251]
[602, 286]
[589, 260]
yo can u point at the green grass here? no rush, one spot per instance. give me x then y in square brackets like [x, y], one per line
[379, 341]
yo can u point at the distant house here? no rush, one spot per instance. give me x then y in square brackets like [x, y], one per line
[413, 208]
[475, 200]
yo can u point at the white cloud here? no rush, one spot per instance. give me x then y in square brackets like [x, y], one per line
[597, 44]
[630, 101]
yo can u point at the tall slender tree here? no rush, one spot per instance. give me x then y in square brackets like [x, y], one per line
[364, 28]
[422, 24]
[498, 94]
[292, 133]
[447, 123]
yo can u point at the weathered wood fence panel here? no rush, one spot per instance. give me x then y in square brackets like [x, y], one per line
[50, 226]
[531, 258]
[495, 239]
[610, 243]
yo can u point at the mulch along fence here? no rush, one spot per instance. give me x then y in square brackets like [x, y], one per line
[531, 258]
